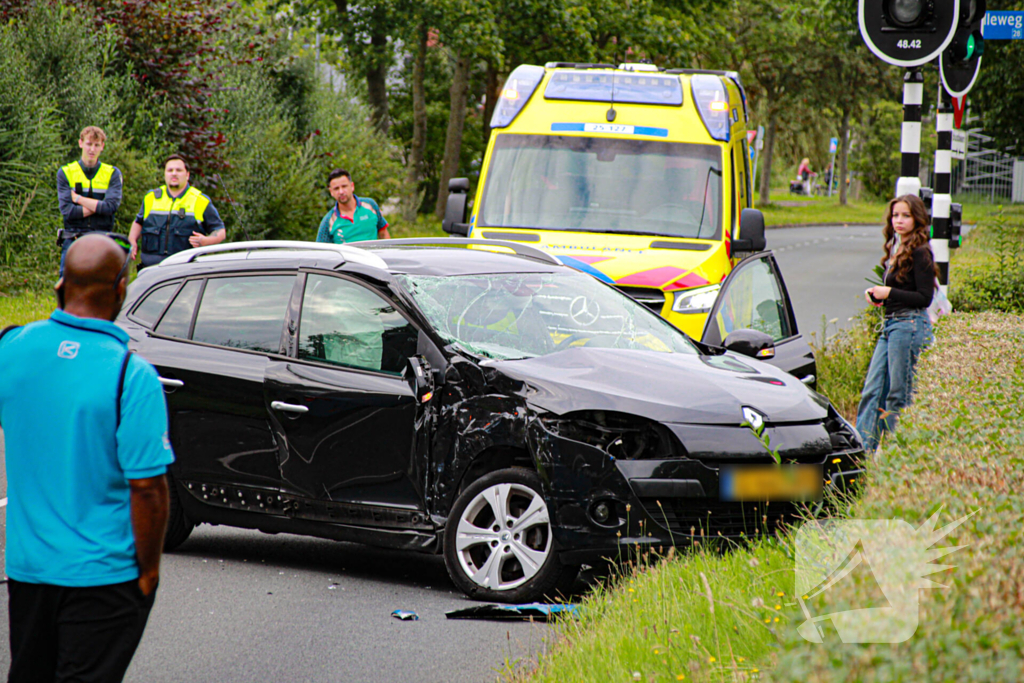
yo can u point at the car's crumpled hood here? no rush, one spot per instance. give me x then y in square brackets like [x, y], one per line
[667, 387]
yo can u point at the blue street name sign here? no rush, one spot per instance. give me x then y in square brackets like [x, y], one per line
[833, 145]
[1003, 26]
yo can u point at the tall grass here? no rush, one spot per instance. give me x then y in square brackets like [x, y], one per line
[843, 356]
[704, 615]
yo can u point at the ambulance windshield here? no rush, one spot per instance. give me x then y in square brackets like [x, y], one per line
[615, 185]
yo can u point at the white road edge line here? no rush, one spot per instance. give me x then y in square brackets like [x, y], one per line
[3, 502]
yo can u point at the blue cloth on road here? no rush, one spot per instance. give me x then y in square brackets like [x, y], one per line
[890, 379]
[68, 461]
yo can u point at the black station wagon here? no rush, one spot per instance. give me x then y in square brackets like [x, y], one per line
[471, 398]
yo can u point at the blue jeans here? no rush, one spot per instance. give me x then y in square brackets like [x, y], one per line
[890, 378]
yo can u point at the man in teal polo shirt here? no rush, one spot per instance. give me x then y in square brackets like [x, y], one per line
[352, 219]
[85, 426]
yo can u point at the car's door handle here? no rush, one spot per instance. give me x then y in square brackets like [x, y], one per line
[173, 383]
[288, 407]
[808, 379]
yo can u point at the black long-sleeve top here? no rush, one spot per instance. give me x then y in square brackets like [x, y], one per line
[916, 291]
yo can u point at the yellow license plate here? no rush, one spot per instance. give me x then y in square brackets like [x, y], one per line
[770, 482]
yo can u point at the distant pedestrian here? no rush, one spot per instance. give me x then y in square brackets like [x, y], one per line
[85, 425]
[909, 284]
[88, 192]
[352, 218]
[174, 217]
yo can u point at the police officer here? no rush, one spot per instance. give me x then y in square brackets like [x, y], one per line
[88, 192]
[174, 217]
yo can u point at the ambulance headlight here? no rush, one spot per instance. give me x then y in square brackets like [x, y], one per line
[696, 300]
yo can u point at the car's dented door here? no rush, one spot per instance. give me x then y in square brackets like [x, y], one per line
[347, 418]
[754, 296]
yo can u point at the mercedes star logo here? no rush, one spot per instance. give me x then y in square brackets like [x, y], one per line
[584, 312]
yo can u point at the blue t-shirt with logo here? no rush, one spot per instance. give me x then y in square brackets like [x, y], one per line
[68, 461]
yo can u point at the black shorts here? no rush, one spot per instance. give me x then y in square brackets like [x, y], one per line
[75, 634]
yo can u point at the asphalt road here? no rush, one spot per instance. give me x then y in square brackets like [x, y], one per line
[824, 268]
[243, 606]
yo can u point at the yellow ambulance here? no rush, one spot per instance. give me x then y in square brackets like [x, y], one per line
[636, 175]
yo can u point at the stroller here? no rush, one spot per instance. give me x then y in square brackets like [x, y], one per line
[804, 184]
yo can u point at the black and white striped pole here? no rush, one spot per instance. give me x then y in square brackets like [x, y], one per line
[941, 200]
[910, 138]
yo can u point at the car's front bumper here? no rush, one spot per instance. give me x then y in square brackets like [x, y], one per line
[659, 503]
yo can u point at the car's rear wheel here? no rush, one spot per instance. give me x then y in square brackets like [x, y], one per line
[498, 544]
[179, 526]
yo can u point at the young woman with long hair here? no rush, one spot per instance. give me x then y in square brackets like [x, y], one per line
[906, 292]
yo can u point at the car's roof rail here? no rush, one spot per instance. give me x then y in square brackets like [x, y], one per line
[345, 251]
[517, 248]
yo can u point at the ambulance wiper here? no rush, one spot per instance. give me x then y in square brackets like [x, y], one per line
[704, 207]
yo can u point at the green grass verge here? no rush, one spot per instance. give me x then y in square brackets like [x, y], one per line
[961, 446]
[705, 615]
[25, 307]
[791, 209]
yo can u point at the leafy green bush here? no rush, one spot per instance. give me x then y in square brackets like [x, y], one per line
[998, 284]
[876, 157]
[30, 153]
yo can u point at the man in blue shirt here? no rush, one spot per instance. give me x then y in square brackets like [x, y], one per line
[85, 426]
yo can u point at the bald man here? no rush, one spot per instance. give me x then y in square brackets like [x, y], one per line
[85, 425]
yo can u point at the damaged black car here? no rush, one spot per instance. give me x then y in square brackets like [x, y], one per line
[471, 398]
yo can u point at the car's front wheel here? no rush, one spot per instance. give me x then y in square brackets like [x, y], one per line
[498, 544]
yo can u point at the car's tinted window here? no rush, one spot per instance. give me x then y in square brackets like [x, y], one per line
[346, 324]
[519, 315]
[154, 302]
[244, 312]
[178, 317]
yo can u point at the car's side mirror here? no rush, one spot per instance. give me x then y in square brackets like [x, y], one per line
[751, 231]
[454, 222]
[751, 343]
[420, 379]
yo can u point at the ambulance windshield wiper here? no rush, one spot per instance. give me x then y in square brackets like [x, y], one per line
[704, 206]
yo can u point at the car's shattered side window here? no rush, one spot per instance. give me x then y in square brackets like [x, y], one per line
[522, 315]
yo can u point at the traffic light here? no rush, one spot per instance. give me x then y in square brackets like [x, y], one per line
[961, 60]
[908, 32]
[956, 219]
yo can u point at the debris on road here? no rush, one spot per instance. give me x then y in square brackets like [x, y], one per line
[534, 610]
[405, 615]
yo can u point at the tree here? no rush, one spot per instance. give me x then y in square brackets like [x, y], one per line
[771, 39]
[847, 77]
[469, 33]
[998, 93]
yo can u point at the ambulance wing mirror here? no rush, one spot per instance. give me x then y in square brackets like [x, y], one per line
[751, 232]
[454, 222]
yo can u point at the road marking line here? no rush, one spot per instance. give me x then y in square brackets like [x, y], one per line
[3, 502]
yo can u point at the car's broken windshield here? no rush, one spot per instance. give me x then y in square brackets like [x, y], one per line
[565, 182]
[523, 315]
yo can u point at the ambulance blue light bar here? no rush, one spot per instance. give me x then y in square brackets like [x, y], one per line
[516, 93]
[598, 86]
[712, 100]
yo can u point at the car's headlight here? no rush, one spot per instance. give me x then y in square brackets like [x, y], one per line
[697, 300]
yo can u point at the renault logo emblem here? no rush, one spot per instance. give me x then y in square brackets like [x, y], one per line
[754, 418]
[584, 312]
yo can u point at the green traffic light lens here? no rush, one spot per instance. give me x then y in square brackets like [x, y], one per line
[970, 47]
